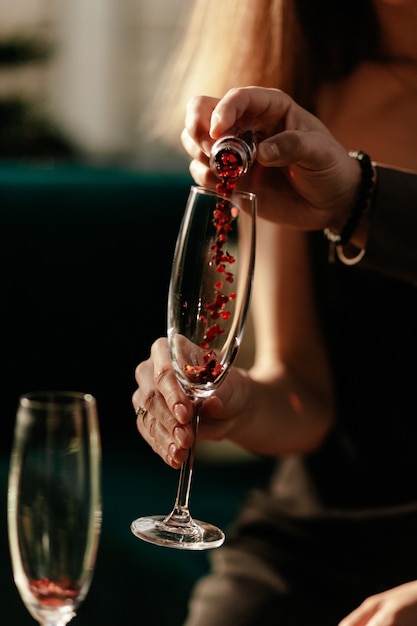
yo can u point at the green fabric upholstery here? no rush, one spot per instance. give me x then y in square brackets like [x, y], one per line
[85, 257]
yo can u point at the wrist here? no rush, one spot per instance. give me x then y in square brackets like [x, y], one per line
[360, 206]
[353, 233]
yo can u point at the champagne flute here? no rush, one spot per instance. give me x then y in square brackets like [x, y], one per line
[54, 502]
[207, 306]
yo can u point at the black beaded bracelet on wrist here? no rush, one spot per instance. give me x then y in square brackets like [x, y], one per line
[365, 190]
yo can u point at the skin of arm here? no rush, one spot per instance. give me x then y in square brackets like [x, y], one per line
[290, 408]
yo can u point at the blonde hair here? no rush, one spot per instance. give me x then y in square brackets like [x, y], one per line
[222, 44]
[292, 45]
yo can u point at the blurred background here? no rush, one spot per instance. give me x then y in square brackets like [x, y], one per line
[77, 76]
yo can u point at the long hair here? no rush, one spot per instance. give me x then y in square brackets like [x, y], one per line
[292, 45]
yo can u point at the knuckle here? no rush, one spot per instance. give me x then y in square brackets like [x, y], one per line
[158, 445]
[195, 102]
[163, 375]
[201, 173]
[151, 426]
[233, 92]
[159, 344]
[296, 141]
[135, 397]
[155, 446]
[138, 371]
[193, 113]
[149, 399]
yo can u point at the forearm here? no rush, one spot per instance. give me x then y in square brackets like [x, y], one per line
[281, 414]
[391, 247]
[288, 391]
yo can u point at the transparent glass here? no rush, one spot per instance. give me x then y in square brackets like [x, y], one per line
[54, 502]
[208, 301]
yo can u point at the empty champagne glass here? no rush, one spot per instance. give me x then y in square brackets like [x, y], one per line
[207, 305]
[54, 502]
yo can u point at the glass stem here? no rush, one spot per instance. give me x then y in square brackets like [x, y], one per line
[181, 514]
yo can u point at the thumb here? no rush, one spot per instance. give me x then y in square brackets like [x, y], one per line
[310, 149]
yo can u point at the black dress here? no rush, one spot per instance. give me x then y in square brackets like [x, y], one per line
[340, 524]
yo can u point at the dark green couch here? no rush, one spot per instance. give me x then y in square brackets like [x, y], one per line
[85, 257]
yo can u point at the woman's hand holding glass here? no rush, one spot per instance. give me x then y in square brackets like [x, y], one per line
[208, 300]
[166, 427]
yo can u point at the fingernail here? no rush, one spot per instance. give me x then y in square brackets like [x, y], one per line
[215, 120]
[206, 147]
[181, 436]
[171, 451]
[181, 413]
[268, 151]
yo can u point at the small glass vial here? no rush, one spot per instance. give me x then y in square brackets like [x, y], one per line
[232, 156]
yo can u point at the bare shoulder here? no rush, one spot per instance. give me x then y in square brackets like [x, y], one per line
[374, 109]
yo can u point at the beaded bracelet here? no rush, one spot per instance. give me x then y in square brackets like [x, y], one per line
[365, 190]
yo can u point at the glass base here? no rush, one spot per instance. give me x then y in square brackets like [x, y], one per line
[165, 531]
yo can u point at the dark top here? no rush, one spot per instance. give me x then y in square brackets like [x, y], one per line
[369, 319]
[392, 242]
[340, 525]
